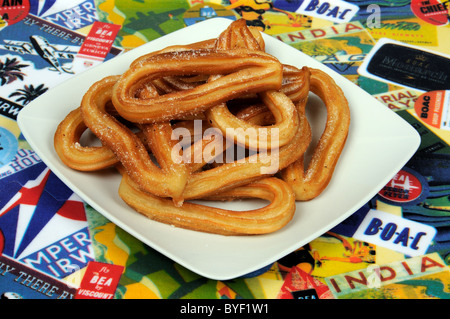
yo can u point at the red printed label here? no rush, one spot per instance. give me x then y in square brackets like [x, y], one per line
[431, 11]
[404, 187]
[433, 108]
[300, 285]
[99, 281]
[13, 11]
[99, 40]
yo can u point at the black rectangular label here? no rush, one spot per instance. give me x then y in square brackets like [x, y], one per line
[411, 67]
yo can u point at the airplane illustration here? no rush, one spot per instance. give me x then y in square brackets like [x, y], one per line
[38, 45]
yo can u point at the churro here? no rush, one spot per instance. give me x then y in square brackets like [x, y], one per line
[174, 122]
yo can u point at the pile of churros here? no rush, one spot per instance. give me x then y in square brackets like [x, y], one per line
[214, 120]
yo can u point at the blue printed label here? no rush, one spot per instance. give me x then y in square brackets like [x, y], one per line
[8, 146]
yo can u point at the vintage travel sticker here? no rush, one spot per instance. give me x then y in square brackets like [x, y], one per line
[43, 222]
[21, 282]
[8, 146]
[396, 233]
[411, 31]
[96, 45]
[336, 11]
[37, 55]
[401, 99]
[142, 21]
[205, 11]
[99, 281]
[407, 187]
[13, 11]
[434, 12]
[334, 253]
[80, 13]
[433, 108]
[341, 47]
[300, 285]
[421, 277]
[407, 66]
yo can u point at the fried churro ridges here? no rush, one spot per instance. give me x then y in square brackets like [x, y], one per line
[229, 82]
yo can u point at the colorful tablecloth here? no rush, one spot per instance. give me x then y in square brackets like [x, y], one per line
[54, 245]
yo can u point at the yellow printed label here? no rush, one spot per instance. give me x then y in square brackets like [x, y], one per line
[412, 31]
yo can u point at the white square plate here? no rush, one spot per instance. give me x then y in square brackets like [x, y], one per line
[379, 144]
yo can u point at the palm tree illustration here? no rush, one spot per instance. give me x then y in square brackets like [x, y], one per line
[10, 70]
[28, 93]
